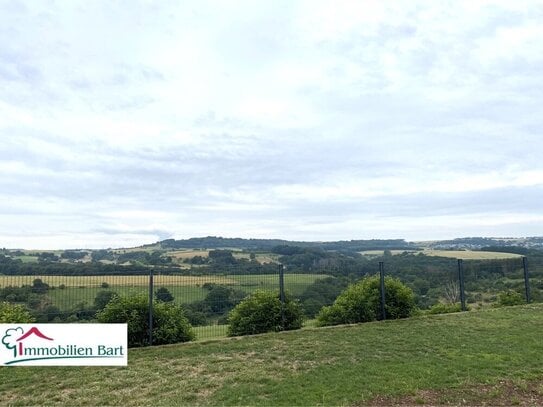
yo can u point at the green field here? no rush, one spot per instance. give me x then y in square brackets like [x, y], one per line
[185, 289]
[481, 357]
[128, 280]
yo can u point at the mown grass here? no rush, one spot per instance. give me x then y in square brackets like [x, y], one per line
[327, 366]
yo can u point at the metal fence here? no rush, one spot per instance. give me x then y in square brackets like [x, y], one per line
[208, 299]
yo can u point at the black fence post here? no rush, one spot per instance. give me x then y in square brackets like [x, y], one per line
[151, 289]
[461, 280]
[282, 293]
[382, 279]
[526, 279]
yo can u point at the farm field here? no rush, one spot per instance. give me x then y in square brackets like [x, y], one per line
[184, 254]
[260, 257]
[493, 357]
[455, 254]
[27, 259]
[187, 254]
[128, 280]
[471, 255]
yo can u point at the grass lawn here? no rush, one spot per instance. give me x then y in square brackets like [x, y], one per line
[433, 359]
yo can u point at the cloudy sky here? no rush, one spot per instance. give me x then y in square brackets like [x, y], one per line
[125, 122]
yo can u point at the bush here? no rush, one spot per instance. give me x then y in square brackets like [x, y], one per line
[14, 313]
[361, 302]
[261, 312]
[510, 297]
[441, 308]
[169, 322]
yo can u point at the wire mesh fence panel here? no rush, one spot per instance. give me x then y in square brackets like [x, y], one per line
[208, 298]
[487, 282]
[316, 288]
[58, 298]
[535, 271]
[434, 280]
[207, 294]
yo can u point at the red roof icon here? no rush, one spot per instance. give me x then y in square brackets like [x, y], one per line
[34, 331]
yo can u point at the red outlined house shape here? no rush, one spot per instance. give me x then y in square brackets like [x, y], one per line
[31, 331]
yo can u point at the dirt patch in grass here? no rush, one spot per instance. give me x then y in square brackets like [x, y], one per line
[503, 393]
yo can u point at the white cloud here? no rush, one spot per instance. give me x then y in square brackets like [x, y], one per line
[308, 120]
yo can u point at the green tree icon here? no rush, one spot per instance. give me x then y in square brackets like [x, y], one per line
[10, 339]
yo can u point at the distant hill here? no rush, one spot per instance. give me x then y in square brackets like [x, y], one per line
[213, 242]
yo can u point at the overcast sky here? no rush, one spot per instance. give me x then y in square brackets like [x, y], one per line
[125, 122]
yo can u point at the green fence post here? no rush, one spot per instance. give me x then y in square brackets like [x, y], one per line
[382, 283]
[151, 288]
[526, 279]
[282, 293]
[461, 280]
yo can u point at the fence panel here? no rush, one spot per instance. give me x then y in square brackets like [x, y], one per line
[207, 295]
[486, 280]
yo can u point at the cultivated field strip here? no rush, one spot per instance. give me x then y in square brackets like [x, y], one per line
[130, 280]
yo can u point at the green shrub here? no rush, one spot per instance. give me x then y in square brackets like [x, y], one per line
[510, 297]
[261, 312]
[361, 302]
[14, 313]
[441, 308]
[169, 322]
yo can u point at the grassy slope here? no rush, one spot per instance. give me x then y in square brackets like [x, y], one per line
[331, 366]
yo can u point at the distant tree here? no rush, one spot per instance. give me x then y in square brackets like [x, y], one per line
[222, 257]
[97, 255]
[220, 298]
[322, 292]
[47, 256]
[196, 260]
[102, 298]
[39, 287]
[164, 295]
[73, 254]
[287, 250]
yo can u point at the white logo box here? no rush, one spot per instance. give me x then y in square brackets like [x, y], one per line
[63, 345]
